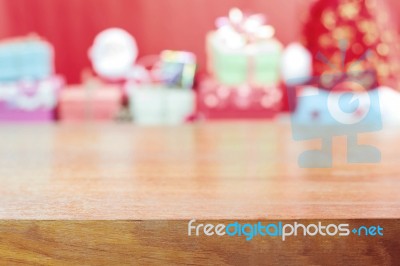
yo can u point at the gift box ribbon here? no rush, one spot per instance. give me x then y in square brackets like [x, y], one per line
[31, 95]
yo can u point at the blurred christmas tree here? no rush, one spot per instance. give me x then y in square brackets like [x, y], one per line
[353, 39]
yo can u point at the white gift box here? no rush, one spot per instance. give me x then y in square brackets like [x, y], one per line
[159, 105]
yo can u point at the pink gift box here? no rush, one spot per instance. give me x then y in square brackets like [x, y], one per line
[29, 101]
[216, 101]
[79, 103]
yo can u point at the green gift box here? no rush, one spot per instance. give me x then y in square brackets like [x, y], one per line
[255, 63]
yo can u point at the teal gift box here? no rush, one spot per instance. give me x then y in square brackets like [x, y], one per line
[256, 63]
[26, 58]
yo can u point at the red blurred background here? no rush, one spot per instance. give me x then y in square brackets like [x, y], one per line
[71, 25]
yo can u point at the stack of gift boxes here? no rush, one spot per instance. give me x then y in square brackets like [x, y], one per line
[243, 65]
[28, 86]
[154, 90]
[243, 82]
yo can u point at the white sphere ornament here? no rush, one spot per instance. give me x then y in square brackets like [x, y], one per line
[296, 64]
[113, 53]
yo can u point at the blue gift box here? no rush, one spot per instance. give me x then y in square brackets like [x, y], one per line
[27, 58]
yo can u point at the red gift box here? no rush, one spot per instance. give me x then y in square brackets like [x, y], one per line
[216, 101]
[80, 103]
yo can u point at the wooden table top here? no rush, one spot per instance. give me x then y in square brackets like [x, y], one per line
[237, 170]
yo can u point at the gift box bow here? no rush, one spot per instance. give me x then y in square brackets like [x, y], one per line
[239, 29]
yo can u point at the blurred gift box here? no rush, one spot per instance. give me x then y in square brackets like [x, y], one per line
[216, 101]
[160, 105]
[25, 57]
[30, 100]
[28, 88]
[244, 67]
[243, 51]
[92, 101]
[161, 93]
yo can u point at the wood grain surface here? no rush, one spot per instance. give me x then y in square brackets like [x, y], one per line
[123, 195]
[204, 171]
[167, 243]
